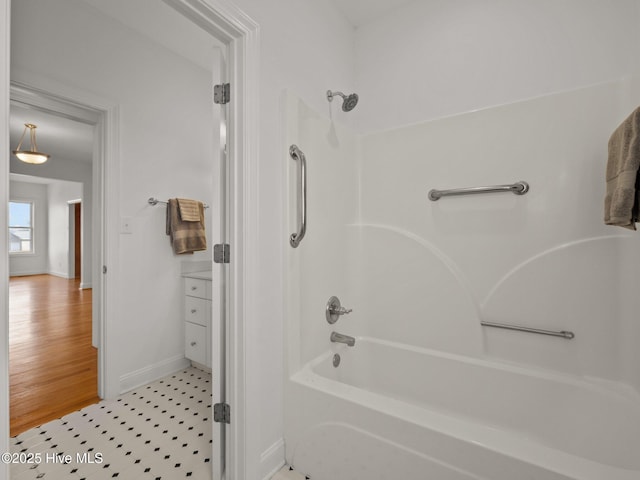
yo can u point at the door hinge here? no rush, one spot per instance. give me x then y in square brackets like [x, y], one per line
[222, 93]
[221, 253]
[221, 413]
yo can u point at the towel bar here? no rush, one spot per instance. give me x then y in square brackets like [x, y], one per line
[518, 188]
[154, 201]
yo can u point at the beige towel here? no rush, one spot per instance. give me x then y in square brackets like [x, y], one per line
[186, 237]
[623, 186]
[189, 210]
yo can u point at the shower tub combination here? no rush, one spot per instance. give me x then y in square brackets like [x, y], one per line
[426, 392]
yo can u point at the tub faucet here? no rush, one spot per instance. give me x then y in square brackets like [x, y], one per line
[340, 338]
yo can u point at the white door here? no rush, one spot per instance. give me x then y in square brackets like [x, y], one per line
[221, 281]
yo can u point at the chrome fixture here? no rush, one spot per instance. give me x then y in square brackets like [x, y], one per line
[518, 188]
[349, 102]
[336, 360]
[340, 338]
[296, 154]
[334, 310]
[32, 155]
[553, 333]
[154, 201]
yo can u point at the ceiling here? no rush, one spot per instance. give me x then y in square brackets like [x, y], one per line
[361, 12]
[58, 136]
[63, 138]
[67, 139]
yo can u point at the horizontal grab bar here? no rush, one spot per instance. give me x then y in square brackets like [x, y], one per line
[563, 333]
[518, 188]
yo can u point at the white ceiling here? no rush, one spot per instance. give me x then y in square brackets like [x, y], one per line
[58, 136]
[361, 12]
[71, 140]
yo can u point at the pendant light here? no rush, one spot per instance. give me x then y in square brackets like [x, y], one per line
[32, 155]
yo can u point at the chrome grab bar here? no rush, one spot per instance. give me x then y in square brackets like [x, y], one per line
[296, 154]
[518, 188]
[563, 333]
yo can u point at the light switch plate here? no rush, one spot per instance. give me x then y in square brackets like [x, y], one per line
[126, 224]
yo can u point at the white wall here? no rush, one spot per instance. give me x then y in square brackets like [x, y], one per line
[51, 226]
[59, 195]
[436, 60]
[32, 264]
[545, 259]
[67, 170]
[432, 59]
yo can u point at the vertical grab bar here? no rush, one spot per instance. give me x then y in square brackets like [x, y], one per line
[296, 154]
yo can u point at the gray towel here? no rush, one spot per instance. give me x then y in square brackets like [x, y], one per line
[623, 183]
[186, 237]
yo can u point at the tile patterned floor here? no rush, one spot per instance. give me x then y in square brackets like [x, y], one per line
[158, 431]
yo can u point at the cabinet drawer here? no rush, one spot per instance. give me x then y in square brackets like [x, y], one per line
[197, 310]
[197, 287]
[195, 344]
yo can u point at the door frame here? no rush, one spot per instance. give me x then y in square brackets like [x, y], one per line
[229, 24]
[105, 205]
[75, 239]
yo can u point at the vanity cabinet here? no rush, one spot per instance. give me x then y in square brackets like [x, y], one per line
[197, 317]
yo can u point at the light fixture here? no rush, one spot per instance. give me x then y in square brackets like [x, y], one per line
[32, 155]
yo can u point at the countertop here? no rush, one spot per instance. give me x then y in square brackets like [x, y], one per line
[204, 275]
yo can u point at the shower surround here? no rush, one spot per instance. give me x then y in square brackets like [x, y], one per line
[426, 388]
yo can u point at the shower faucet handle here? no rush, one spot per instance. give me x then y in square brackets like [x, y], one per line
[334, 310]
[340, 310]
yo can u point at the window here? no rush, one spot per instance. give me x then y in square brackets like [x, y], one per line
[20, 227]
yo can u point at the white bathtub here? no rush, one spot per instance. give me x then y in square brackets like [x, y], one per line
[392, 411]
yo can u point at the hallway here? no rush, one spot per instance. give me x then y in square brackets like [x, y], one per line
[53, 366]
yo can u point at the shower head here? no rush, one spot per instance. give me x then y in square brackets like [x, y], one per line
[349, 102]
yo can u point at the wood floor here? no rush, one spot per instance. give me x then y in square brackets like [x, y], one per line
[52, 365]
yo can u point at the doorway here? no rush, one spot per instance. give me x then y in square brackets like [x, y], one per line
[53, 358]
[75, 238]
[240, 34]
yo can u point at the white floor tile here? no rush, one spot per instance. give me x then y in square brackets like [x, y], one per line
[161, 430]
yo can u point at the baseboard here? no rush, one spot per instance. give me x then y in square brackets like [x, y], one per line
[60, 275]
[153, 372]
[272, 459]
[26, 273]
[85, 285]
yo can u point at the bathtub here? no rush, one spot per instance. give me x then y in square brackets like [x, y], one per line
[454, 418]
